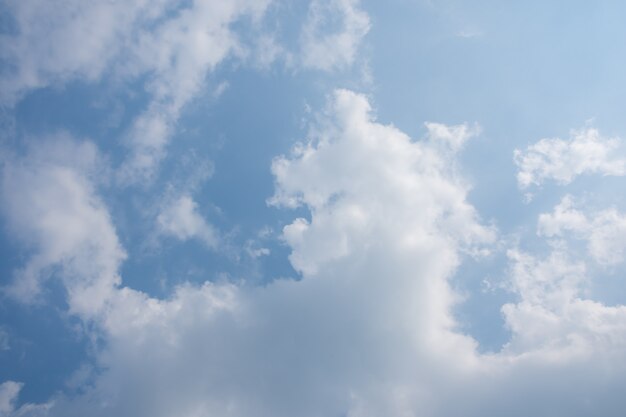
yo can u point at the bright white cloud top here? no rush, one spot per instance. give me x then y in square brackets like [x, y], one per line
[197, 254]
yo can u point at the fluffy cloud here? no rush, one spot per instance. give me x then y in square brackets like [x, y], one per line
[51, 206]
[349, 187]
[604, 231]
[586, 152]
[180, 218]
[369, 330]
[332, 34]
[553, 318]
[325, 344]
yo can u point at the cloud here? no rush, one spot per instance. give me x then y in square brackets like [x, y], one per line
[586, 152]
[8, 393]
[180, 219]
[168, 47]
[174, 42]
[55, 43]
[172, 45]
[397, 212]
[332, 34]
[553, 318]
[51, 207]
[453, 136]
[337, 180]
[369, 328]
[179, 54]
[604, 231]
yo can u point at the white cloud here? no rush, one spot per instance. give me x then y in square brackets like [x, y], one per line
[604, 231]
[9, 391]
[586, 152]
[179, 54]
[51, 206]
[8, 394]
[452, 136]
[174, 42]
[351, 170]
[180, 218]
[369, 329]
[332, 34]
[552, 318]
[68, 40]
[171, 44]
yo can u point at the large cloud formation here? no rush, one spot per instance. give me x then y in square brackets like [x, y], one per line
[369, 328]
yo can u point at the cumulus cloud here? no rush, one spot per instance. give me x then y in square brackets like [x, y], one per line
[51, 206]
[585, 152]
[553, 318]
[324, 345]
[369, 328]
[604, 231]
[349, 173]
[332, 34]
[180, 219]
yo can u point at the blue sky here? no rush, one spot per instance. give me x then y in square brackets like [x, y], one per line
[316, 208]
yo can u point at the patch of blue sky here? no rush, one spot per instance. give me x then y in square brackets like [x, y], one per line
[45, 345]
[531, 71]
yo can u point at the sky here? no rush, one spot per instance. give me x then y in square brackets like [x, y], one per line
[342, 208]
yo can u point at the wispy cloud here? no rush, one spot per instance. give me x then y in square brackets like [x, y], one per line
[332, 34]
